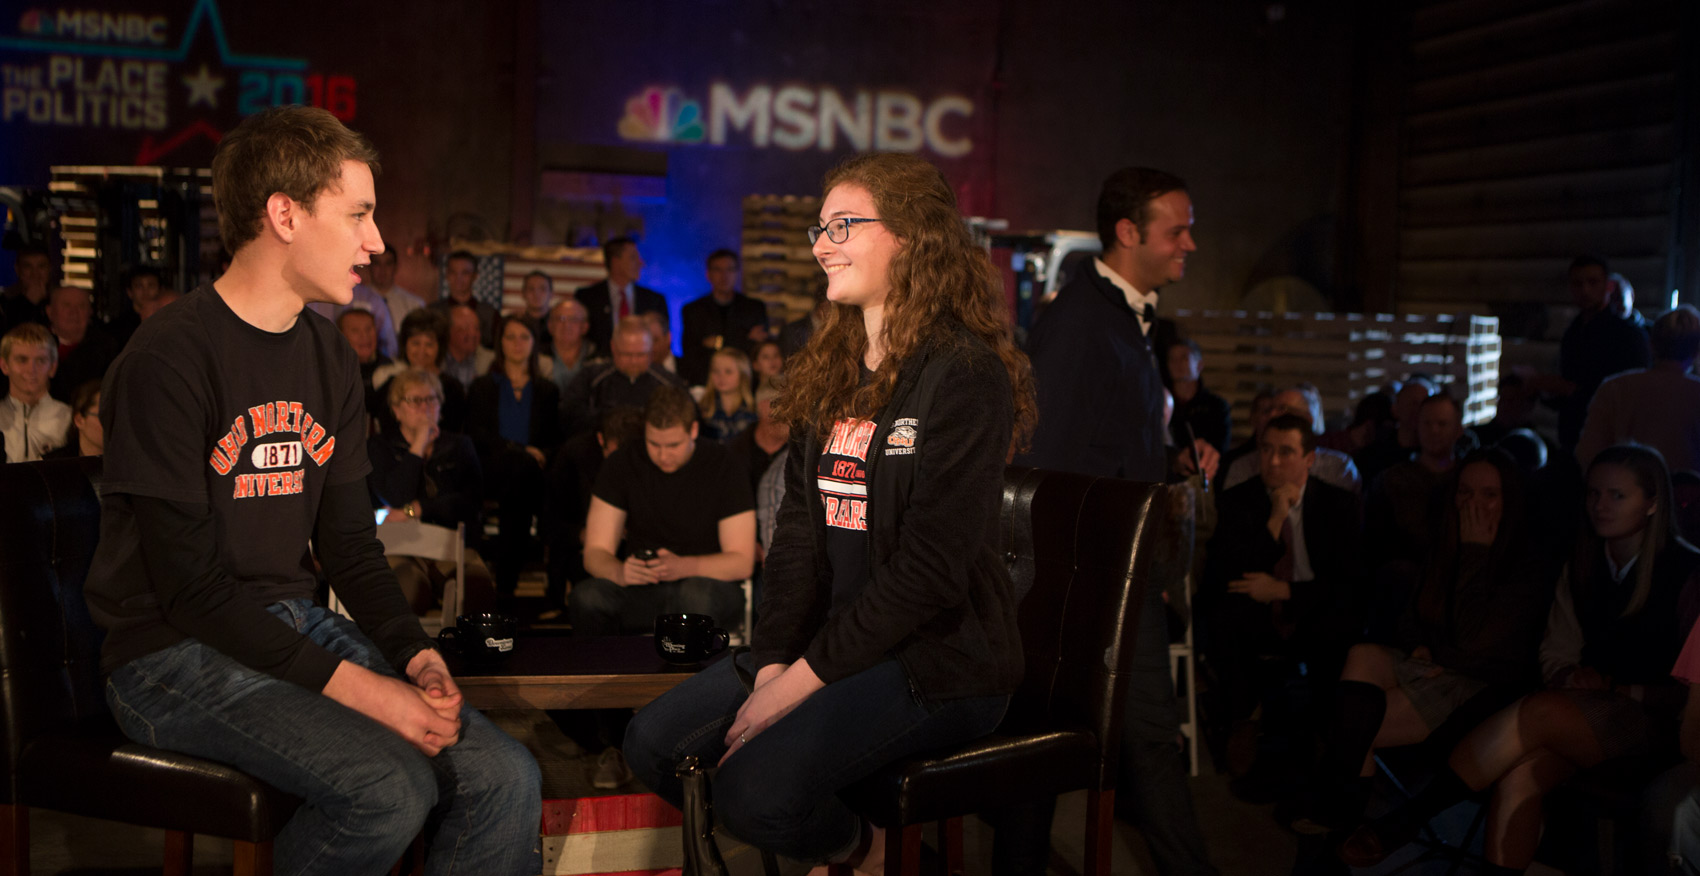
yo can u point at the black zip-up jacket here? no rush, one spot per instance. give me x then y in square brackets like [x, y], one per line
[939, 597]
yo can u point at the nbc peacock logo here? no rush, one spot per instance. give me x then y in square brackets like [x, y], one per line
[662, 115]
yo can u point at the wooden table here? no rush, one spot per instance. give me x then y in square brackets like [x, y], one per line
[563, 672]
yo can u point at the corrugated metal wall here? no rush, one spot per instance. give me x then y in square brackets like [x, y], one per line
[1531, 132]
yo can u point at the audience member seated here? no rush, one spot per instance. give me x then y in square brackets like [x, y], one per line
[460, 271]
[1620, 299]
[728, 406]
[1659, 406]
[368, 300]
[1401, 443]
[1372, 421]
[1404, 503]
[166, 295]
[141, 284]
[1622, 610]
[512, 414]
[380, 276]
[26, 300]
[424, 345]
[425, 473]
[767, 362]
[361, 330]
[756, 447]
[32, 422]
[537, 292]
[661, 333]
[1472, 626]
[1199, 413]
[1596, 345]
[87, 438]
[724, 318]
[610, 301]
[624, 382]
[684, 516]
[568, 348]
[1332, 467]
[1262, 408]
[85, 350]
[572, 476]
[796, 333]
[1280, 589]
[466, 358]
[683, 511]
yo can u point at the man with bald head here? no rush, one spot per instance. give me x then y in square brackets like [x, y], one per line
[568, 348]
[625, 382]
[1331, 467]
[84, 350]
[465, 358]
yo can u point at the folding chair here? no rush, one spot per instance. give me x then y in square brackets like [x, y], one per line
[409, 537]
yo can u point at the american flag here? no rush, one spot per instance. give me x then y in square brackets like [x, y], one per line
[501, 276]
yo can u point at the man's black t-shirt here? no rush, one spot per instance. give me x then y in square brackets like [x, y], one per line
[842, 484]
[680, 511]
[202, 407]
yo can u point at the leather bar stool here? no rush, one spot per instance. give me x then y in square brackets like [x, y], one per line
[1079, 550]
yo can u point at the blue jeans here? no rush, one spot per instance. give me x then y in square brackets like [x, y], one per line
[779, 792]
[367, 791]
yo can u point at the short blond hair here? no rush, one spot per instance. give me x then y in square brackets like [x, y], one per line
[405, 380]
[30, 333]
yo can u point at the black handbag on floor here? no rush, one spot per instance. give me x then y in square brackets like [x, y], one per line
[702, 854]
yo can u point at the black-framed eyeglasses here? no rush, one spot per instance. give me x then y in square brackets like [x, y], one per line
[837, 231]
[422, 399]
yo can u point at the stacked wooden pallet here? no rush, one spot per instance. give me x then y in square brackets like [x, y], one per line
[112, 219]
[779, 266]
[1346, 355]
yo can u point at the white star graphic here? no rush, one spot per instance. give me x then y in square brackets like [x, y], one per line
[204, 86]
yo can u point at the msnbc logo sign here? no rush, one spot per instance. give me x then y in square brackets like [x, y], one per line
[798, 118]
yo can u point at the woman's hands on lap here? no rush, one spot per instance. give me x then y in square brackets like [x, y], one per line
[779, 689]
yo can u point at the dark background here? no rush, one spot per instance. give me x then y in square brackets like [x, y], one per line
[1423, 156]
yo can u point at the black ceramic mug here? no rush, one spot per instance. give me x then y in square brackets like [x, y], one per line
[688, 638]
[481, 637]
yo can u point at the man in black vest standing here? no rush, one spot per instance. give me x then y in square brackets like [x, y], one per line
[1101, 398]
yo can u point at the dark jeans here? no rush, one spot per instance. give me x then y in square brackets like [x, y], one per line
[367, 792]
[779, 792]
[599, 607]
[515, 480]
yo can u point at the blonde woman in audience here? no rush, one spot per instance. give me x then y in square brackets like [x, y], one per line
[728, 407]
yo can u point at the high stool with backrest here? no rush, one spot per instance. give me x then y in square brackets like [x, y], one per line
[1079, 549]
[61, 747]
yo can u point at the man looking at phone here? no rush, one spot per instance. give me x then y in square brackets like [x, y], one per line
[688, 522]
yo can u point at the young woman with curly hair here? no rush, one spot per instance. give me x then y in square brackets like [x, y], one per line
[903, 409]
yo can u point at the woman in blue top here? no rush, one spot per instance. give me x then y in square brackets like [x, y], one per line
[512, 417]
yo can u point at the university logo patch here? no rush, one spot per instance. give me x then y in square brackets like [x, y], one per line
[901, 440]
